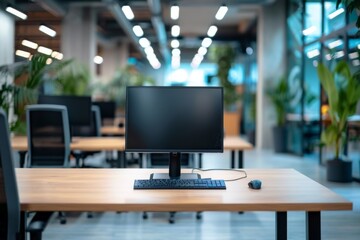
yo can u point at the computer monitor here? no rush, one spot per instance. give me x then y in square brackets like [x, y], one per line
[78, 107]
[107, 109]
[174, 120]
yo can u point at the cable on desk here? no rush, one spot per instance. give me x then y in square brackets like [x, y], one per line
[222, 169]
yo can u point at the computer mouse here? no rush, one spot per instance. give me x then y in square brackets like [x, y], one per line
[255, 184]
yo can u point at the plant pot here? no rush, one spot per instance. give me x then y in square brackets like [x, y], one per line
[280, 139]
[339, 171]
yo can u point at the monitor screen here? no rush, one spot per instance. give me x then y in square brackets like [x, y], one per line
[174, 119]
[78, 107]
[107, 109]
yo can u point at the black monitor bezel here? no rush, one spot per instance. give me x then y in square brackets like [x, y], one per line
[220, 150]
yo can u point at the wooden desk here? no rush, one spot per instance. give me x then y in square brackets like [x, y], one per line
[20, 144]
[112, 190]
[112, 131]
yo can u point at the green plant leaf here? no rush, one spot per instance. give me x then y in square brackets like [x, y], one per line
[329, 135]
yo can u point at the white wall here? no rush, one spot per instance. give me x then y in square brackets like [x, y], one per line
[271, 55]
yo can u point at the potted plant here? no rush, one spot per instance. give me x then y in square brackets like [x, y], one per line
[224, 57]
[343, 91]
[280, 96]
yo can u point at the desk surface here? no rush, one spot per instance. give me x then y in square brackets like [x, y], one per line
[118, 143]
[112, 190]
[79, 143]
[112, 131]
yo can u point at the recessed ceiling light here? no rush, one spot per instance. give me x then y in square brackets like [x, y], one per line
[202, 51]
[249, 51]
[44, 50]
[176, 52]
[98, 60]
[128, 12]
[138, 31]
[144, 42]
[29, 44]
[212, 31]
[175, 30]
[16, 12]
[206, 42]
[49, 61]
[47, 30]
[22, 53]
[175, 43]
[220, 14]
[174, 12]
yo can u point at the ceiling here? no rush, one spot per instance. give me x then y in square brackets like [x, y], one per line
[238, 26]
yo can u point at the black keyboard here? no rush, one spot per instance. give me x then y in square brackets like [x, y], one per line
[179, 184]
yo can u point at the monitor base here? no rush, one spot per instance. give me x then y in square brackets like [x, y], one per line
[182, 176]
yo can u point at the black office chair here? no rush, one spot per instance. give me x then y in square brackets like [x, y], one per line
[48, 138]
[162, 160]
[92, 130]
[9, 197]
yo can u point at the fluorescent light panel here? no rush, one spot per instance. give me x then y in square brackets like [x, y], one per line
[16, 12]
[356, 62]
[202, 51]
[149, 50]
[47, 30]
[98, 60]
[335, 43]
[57, 55]
[138, 31]
[212, 31]
[220, 14]
[336, 13]
[309, 30]
[29, 44]
[339, 54]
[353, 55]
[44, 50]
[22, 53]
[313, 53]
[175, 30]
[49, 61]
[128, 12]
[176, 52]
[174, 12]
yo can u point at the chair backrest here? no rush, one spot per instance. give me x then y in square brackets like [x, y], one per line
[48, 135]
[92, 130]
[9, 198]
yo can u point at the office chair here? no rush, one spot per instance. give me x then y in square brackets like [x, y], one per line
[48, 138]
[92, 130]
[162, 160]
[9, 196]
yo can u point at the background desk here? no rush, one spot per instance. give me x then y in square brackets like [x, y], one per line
[20, 144]
[112, 190]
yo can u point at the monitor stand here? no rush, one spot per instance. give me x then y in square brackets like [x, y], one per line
[175, 169]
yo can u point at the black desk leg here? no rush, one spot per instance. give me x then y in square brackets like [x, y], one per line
[22, 233]
[232, 159]
[22, 155]
[281, 225]
[313, 226]
[200, 160]
[121, 161]
[140, 160]
[241, 163]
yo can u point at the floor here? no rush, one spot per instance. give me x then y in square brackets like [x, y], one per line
[336, 225]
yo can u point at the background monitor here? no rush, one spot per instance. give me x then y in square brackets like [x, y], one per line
[107, 109]
[174, 120]
[78, 107]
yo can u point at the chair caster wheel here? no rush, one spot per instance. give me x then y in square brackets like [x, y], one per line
[171, 221]
[89, 215]
[62, 221]
[145, 216]
[198, 216]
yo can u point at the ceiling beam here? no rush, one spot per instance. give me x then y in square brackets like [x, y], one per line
[156, 19]
[53, 7]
